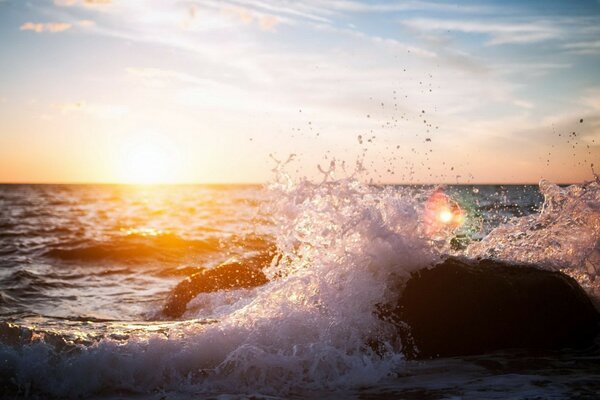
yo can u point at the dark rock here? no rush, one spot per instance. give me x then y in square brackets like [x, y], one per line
[231, 275]
[474, 307]
[456, 308]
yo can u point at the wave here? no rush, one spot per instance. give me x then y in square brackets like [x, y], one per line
[24, 280]
[163, 247]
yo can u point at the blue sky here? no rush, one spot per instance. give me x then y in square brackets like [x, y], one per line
[205, 91]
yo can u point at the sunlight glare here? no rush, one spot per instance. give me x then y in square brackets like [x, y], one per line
[148, 160]
[445, 216]
[442, 214]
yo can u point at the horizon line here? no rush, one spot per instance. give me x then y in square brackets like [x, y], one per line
[266, 183]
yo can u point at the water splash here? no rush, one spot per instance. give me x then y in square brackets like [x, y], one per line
[343, 248]
[564, 235]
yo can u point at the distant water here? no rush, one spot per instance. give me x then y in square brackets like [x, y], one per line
[84, 270]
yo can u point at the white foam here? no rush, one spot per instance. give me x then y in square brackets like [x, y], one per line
[564, 236]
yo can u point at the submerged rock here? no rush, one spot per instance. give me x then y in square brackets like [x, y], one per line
[474, 307]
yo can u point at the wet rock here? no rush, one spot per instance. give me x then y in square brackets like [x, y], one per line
[11, 334]
[475, 307]
[456, 308]
[231, 275]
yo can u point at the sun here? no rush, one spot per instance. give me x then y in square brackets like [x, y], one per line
[148, 160]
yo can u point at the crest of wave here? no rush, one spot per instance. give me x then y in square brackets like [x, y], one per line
[564, 235]
[344, 247]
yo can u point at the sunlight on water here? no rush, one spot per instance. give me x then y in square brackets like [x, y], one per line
[144, 231]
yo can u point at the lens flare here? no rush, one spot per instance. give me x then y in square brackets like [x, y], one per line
[442, 215]
[445, 216]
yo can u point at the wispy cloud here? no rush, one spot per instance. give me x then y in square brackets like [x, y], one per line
[156, 77]
[325, 10]
[52, 27]
[96, 110]
[591, 100]
[87, 3]
[293, 10]
[65, 3]
[371, 64]
[499, 32]
[509, 70]
[388, 43]
[392, 6]
[591, 47]
[523, 104]
[86, 23]
[266, 22]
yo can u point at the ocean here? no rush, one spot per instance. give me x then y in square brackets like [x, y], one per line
[86, 269]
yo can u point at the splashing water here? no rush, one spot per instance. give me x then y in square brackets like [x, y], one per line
[344, 247]
[564, 236]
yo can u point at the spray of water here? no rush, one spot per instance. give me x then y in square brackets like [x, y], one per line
[564, 236]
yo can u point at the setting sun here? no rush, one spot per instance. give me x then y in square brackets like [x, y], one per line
[148, 161]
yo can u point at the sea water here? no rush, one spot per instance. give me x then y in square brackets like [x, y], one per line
[85, 269]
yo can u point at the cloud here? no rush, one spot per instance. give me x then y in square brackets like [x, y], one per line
[591, 100]
[86, 23]
[591, 47]
[388, 43]
[265, 22]
[65, 3]
[86, 3]
[96, 110]
[532, 69]
[395, 6]
[296, 10]
[268, 22]
[523, 104]
[52, 27]
[499, 32]
[159, 78]
[323, 10]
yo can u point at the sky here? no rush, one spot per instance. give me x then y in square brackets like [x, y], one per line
[217, 91]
